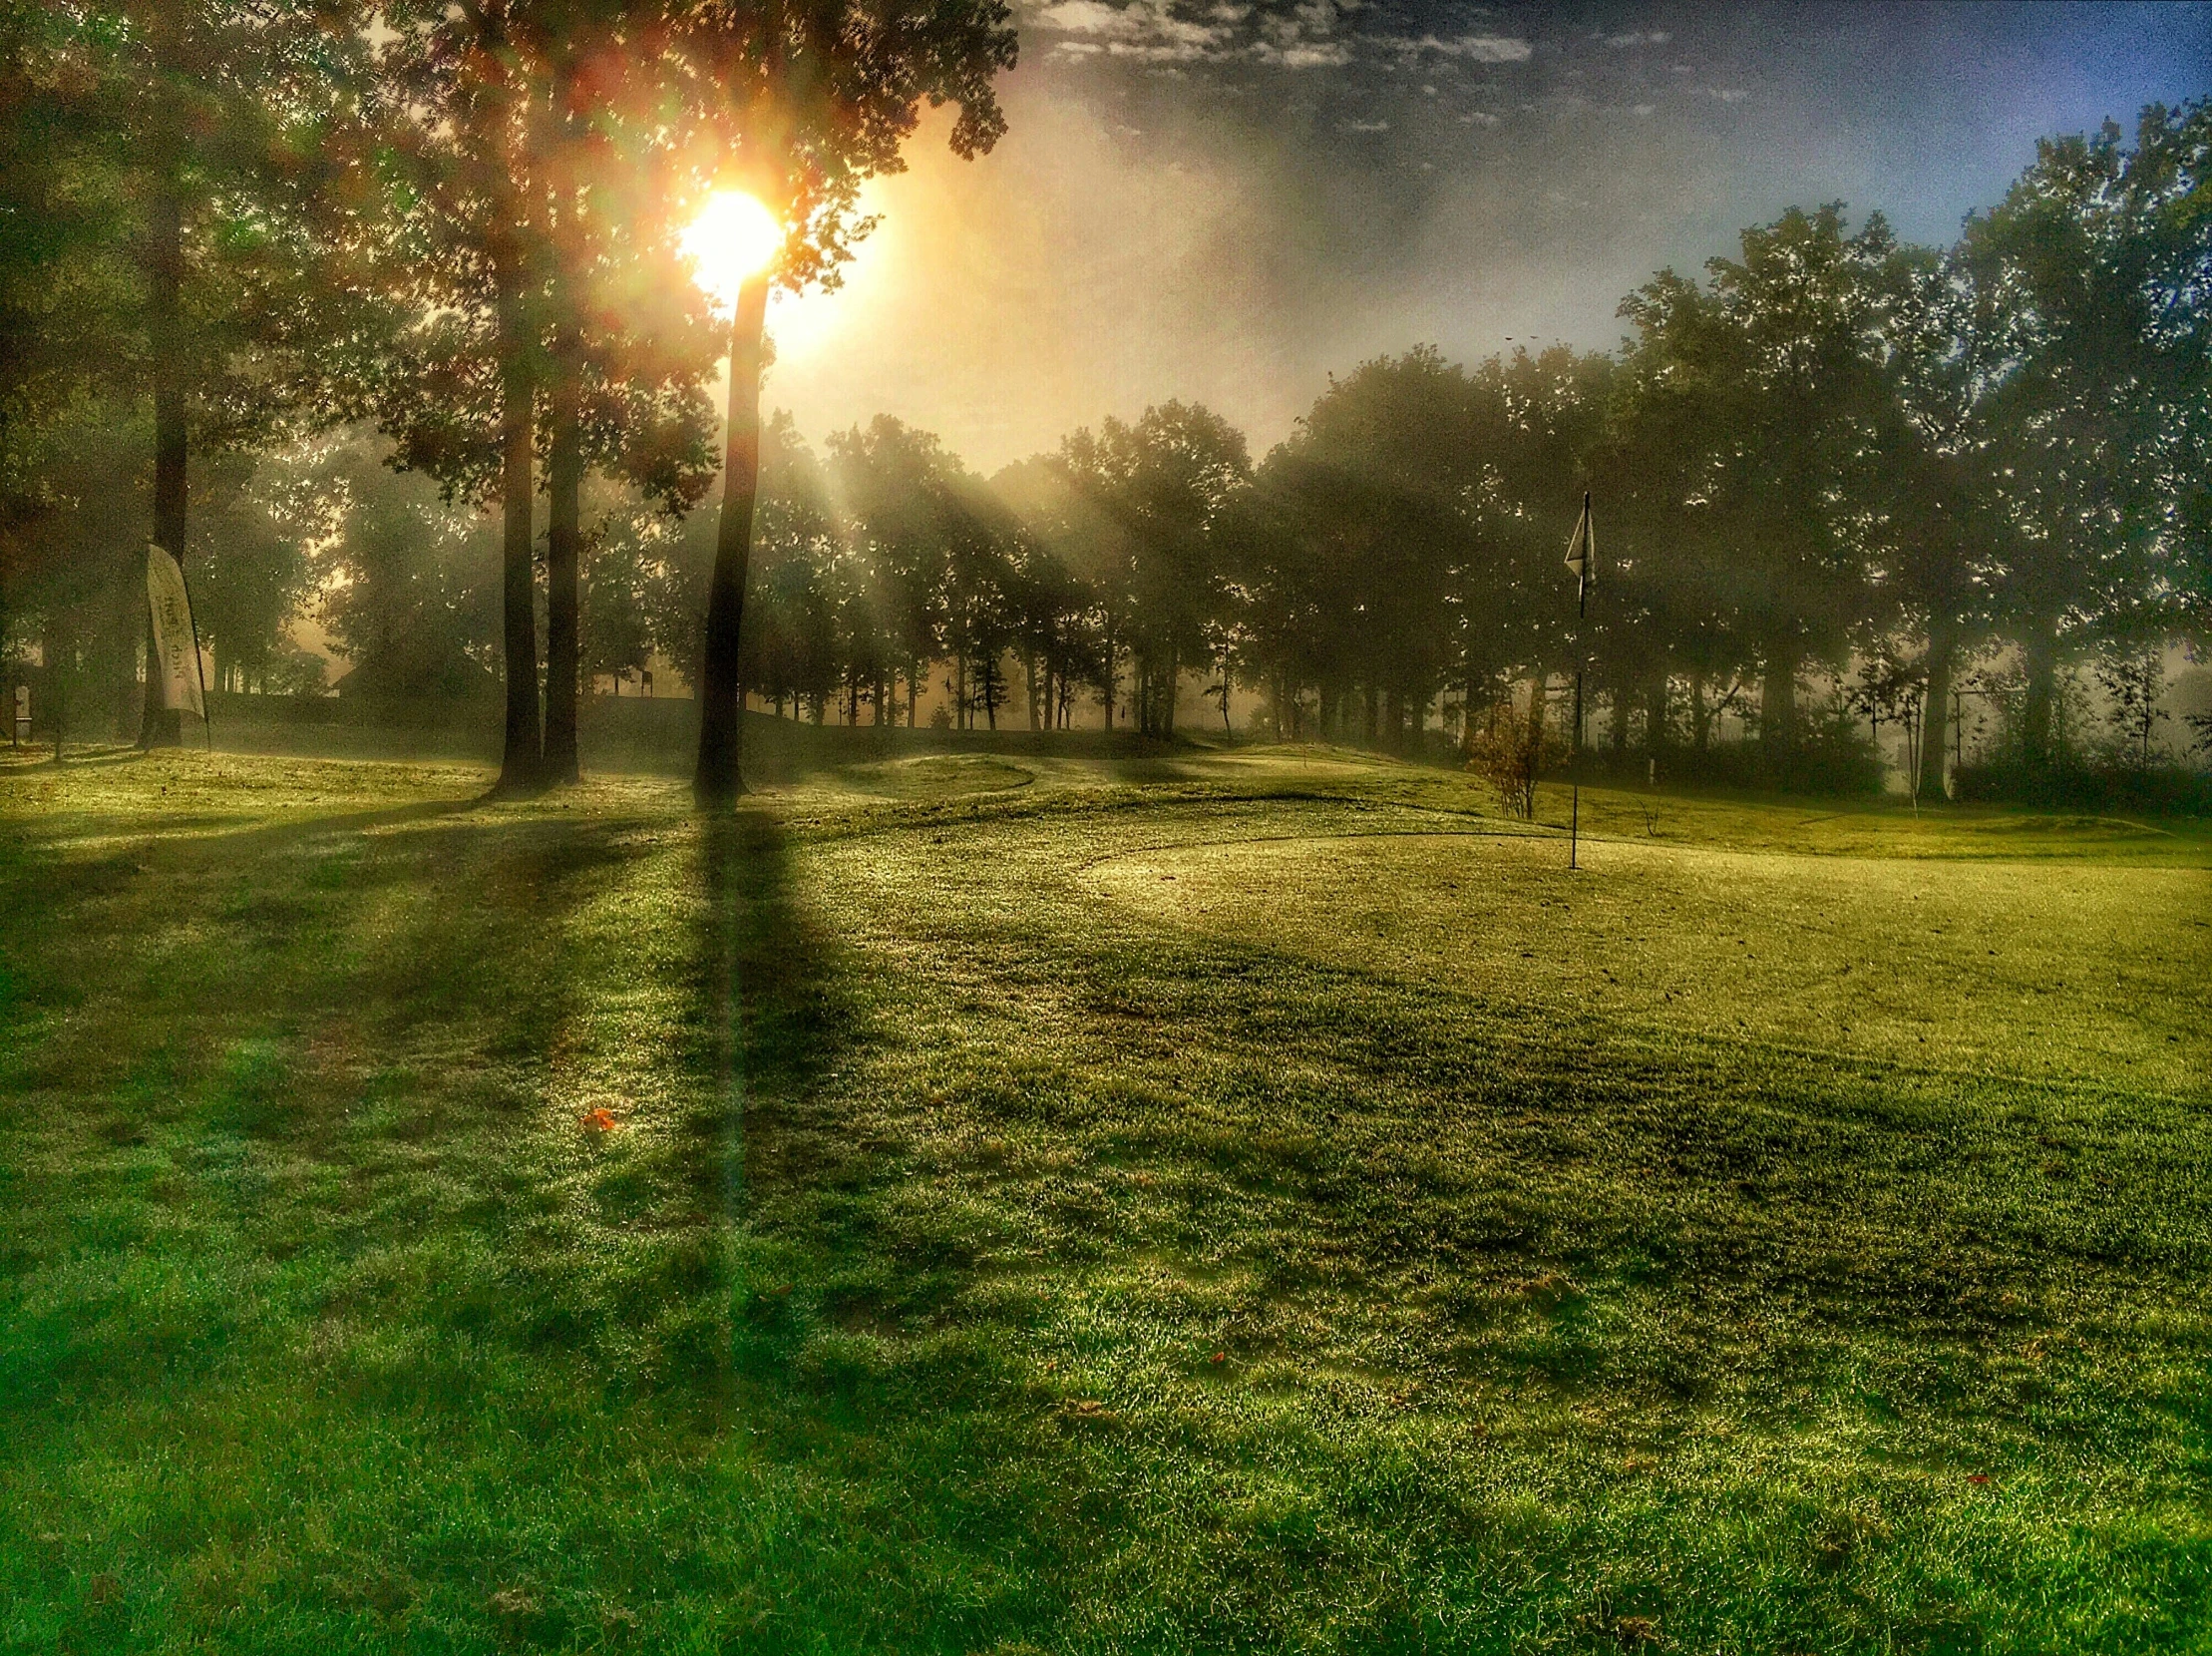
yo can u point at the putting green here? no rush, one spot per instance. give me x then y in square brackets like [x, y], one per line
[2047, 970]
[935, 777]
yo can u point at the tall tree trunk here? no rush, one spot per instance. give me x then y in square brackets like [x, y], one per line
[914, 691]
[565, 461]
[2038, 738]
[1700, 714]
[1374, 715]
[719, 777]
[522, 763]
[1935, 712]
[564, 550]
[159, 725]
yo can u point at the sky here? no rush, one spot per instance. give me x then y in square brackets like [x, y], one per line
[1225, 201]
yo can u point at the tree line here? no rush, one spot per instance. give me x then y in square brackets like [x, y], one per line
[1836, 459]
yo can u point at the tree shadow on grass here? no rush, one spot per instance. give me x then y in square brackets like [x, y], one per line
[854, 1358]
[307, 1207]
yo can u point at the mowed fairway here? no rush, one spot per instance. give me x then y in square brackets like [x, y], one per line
[1243, 1201]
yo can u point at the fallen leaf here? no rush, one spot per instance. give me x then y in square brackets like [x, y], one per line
[600, 1120]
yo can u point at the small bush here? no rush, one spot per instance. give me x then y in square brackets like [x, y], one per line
[1510, 751]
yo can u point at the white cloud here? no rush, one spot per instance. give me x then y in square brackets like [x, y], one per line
[1084, 17]
[1638, 37]
[1149, 33]
[1363, 126]
[1159, 31]
[1480, 48]
[1642, 109]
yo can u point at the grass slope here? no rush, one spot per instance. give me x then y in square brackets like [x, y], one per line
[1790, 1234]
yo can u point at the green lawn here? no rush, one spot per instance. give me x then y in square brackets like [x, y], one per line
[1251, 1200]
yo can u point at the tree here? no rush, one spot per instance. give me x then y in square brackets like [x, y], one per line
[2101, 252]
[2133, 678]
[167, 151]
[1158, 487]
[252, 526]
[625, 549]
[800, 105]
[63, 279]
[1071, 619]
[628, 339]
[1407, 537]
[1937, 520]
[905, 497]
[794, 527]
[411, 582]
[1777, 371]
[522, 227]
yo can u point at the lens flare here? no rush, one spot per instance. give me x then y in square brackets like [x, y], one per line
[733, 237]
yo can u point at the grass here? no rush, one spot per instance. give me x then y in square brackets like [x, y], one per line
[1251, 1200]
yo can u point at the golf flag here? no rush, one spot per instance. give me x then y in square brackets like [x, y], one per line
[1582, 551]
[175, 644]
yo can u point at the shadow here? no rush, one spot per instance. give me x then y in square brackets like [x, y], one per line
[885, 1309]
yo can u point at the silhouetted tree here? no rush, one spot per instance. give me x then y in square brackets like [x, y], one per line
[799, 104]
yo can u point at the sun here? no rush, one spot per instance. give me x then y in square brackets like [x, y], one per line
[733, 237]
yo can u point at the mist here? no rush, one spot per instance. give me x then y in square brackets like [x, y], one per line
[1228, 204]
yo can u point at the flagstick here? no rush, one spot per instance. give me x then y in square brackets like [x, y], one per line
[1585, 537]
[1574, 771]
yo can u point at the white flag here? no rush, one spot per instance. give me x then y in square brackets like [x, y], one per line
[175, 647]
[1582, 549]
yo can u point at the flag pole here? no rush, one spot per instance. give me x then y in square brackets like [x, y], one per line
[1582, 553]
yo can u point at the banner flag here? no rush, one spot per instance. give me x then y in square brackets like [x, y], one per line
[1582, 551]
[175, 645]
